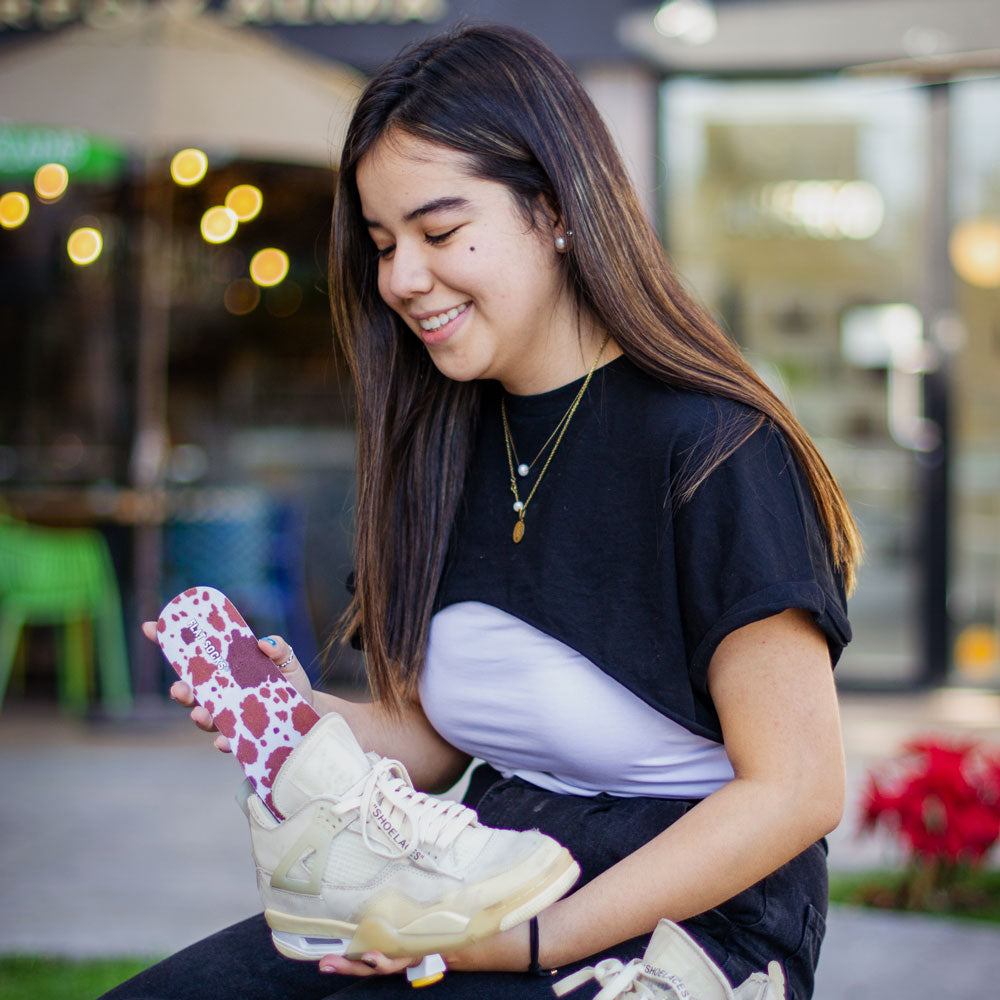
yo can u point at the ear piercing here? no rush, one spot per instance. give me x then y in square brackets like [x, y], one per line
[561, 241]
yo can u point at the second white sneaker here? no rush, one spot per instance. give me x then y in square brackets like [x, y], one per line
[363, 862]
[674, 967]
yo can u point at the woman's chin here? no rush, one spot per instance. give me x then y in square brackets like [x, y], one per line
[455, 366]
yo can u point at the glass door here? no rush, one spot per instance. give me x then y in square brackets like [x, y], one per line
[796, 210]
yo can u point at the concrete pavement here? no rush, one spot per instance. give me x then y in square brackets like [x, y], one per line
[124, 839]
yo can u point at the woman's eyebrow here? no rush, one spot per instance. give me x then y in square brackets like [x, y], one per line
[436, 205]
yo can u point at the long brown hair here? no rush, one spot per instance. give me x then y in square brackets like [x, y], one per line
[522, 118]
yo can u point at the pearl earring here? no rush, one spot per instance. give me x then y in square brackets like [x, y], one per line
[560, 242]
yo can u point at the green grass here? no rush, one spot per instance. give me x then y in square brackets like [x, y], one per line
[35, 977]
[975, 895]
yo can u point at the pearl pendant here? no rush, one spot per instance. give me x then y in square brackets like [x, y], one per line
[518, 506]
[523, 469]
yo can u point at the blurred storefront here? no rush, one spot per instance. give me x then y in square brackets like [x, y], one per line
[200, 419]
[812, 208]
[831, 185]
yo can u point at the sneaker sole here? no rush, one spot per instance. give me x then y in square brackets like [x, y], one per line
[303, 938]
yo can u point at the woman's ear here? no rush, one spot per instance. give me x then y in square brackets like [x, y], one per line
[547, 215]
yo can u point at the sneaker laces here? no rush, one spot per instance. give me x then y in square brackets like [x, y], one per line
[616, 979]
[432, 821]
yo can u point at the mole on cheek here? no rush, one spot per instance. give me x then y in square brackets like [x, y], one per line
[472, 249]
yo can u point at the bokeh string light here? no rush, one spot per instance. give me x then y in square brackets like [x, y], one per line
[14, 209]
[188, 167]
[245, 201]
[51, 181]
[269, 267]
[84, 245]
[219, 224]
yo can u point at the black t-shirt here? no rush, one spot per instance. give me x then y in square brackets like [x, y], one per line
[609, 567]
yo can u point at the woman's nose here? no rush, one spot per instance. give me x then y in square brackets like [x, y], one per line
[408, 274]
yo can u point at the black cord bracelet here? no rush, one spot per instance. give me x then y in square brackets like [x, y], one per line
[534, 969]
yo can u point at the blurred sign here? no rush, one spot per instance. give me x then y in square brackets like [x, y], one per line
[24, 148]
[334, 11]
[50, 14]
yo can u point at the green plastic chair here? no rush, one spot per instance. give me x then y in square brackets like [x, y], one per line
[64, 578]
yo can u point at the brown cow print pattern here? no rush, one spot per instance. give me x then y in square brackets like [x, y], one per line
[208, 643]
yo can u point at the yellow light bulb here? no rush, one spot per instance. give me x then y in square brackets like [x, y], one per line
[218, 224]
[974, 249]
[51, 181]
[14, 208]
[246, 201]
[269, 267]
[188, 166]
[84, 245]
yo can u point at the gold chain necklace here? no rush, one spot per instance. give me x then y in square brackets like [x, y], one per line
[519, 506]
[523, 468]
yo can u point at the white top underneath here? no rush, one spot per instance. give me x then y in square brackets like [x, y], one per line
[501, 690]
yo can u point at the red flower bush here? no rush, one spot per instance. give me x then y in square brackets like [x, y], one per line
[944, 804]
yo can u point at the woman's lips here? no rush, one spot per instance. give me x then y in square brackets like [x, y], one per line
[439, 327]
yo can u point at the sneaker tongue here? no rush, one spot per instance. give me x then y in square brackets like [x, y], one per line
[674, 961]
[328, 761]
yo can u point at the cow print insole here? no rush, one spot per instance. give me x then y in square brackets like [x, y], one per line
[208, 643]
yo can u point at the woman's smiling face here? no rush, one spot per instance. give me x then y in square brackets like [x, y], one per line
[464, 268]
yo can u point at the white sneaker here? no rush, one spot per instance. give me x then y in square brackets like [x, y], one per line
[674, 966]
[363, 861]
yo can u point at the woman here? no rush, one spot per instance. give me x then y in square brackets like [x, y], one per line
[592, 548]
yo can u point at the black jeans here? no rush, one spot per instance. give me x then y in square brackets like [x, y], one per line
[781, 917]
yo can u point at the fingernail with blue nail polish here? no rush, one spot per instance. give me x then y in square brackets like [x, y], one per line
[270, 640]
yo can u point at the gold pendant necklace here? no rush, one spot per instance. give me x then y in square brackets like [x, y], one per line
[521, 507]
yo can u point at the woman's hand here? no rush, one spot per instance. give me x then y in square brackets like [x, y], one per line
[372, 963]
[504, 952]
[277, 651]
